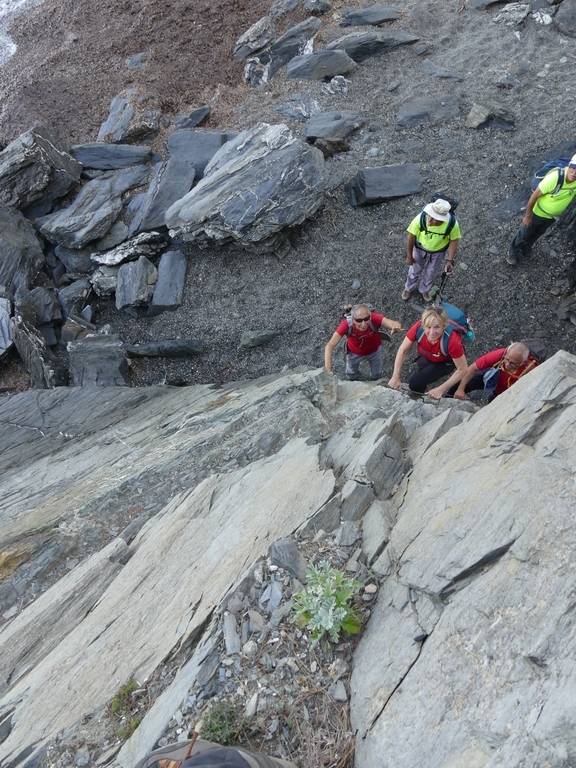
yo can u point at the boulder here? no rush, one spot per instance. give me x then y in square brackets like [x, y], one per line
[490, 116]
[565, 18]
[282, 7]
[75, 261]
[424, 109]
[93, 211]
[294, 42]
[97, 361]
[363, 45]
[104, 281]
[117, 233]
[39, 306]
[321, 65]
[373, 14]
[132, 117]
[135, 285]
[317, 7]
[169, 288]
[33, 167]
[194, 118]
[6, 337]
[332, 126]
[375, 185]
[36, 357]
[110, 157]
[254, 39]
[73, 297]
[147, 244]
[260, 183]
[175, 348]
[21, 255]
[196, 148]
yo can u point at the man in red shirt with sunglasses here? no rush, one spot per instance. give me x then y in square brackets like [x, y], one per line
[508, 363]
[363, 341]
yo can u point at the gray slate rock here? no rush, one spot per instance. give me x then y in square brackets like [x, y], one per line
[282, 7]
[254, 39]
[196, 117]
[137, 60]
[321, 65]
[300, 106]
[146, 244]
[39, 306]
[375, 185]
[97, 361]
[135, 285]
[231, 634]
[347, 534]
[117, 233]
[317, 7]
[110, 157]
[130, 118]
[490, 116]
[73, 297]
[169, 288]
[431, 110]
[440, 72]
[195, 148]
[250, 339]
[6, 338]
[104, 281]
[481, 4]
[333, 125]
[565, 19]
[76, 261]
[36, 357]
[256, 186]
[294, 42]
[175, 348]
[285, 554]
[21, 255]
[373, 14]
[362, 45]
[93, 211]
[33, 168]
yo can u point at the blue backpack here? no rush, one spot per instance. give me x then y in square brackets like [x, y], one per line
[559, 164]
[458, 323]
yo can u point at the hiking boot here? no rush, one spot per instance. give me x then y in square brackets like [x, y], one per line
[406, 294]
[511, 258]
[428, 297]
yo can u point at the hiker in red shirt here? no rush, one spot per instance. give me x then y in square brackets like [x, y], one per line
[440, 353]
[363, 341]
[508, 363]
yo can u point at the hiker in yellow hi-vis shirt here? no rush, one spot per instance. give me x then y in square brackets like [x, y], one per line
[548, 201]
[433, 238]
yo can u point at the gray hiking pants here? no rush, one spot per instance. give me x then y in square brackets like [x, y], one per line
[374, 360]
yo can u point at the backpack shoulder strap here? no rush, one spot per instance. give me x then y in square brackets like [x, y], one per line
[451, 223]
[423, 222]
[419, 333]
[349, 321]
[560, 182]
[445, 340]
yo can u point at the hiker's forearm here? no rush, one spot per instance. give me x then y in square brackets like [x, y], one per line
[467, 376]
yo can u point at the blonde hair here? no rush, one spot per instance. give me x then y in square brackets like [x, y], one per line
[434, 314]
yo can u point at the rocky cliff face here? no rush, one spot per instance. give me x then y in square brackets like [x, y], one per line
[153, 506]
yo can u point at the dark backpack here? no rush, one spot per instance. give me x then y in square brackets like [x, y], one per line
[538, 353]
[451, 221]
[559, 165]
[458, 323]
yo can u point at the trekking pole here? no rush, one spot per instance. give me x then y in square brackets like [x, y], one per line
[438, 297]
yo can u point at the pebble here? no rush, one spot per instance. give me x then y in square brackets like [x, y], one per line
[371, 589]
[251, 706]
[82, 757]
[338, 691]
[250, 649]
[313, 667]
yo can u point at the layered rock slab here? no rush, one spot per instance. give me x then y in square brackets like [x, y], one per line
[476, 606]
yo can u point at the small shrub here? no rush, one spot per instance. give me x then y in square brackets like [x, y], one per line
[223, 723]
[128, 728]
[323, 606]
[121, 704]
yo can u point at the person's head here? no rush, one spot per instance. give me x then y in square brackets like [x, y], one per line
[437, 212]
[361, 316]
[434, 321]
[515, 357]
[571, 170]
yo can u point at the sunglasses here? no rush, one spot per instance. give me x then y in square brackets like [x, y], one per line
[362, 319]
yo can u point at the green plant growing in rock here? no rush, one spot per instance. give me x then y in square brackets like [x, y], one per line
[224, 724]
[121, 708]
[324, 607]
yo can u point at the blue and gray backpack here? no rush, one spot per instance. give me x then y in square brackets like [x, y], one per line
[458, 323]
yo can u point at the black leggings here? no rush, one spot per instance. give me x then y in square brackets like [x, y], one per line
[527, 236]
[428, 373]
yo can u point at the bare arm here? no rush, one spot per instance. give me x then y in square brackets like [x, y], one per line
[441, 389]
[391, 325]
[329, 349]
[399, 362]
[410, 241]
[527, 218]
[469, 374]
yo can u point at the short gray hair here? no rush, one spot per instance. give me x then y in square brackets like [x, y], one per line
[520, 348]
[356, 307]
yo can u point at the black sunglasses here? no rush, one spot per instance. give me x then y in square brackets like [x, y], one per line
[362, 319]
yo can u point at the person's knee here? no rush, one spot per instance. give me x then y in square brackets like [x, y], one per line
[417, 384]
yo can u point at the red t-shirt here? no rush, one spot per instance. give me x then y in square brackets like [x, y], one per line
[433, 352]
[505, 378]
[362, 340]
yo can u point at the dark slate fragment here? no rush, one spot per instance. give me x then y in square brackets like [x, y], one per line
[76, 261]
[362, 45]
[443, 74]
[432, 110]
[292, 43]
[39, 362]
[39, 306]
[250, 339]
[565, 19]
[196, 117]
[298, 106]
[137, 60]
[285, 554]
[6, 337]
[34, 167]
[333, 125]
[321, 65]
[73, 296]
[373, 14]
[167, 348]
[317, 7]
[110, 157]
[171, 279]
[375, 185]
[258, 36]
[197, 147]
[135, 284]
[131, 118]
[21, 255]
[97, 361]
[145, 244]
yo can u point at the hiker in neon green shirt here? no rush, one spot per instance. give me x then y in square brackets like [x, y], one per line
[433, 238]
[548, 201]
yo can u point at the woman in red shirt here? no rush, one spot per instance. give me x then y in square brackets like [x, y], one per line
[437, 356]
